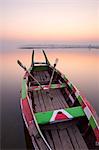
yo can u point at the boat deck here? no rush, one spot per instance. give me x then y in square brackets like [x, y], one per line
[46, 101]
[60, 136]
[49, 101]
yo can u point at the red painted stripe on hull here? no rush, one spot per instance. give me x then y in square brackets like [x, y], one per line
[96, 131]
[67, 92]
[83, 105]
[26, 110]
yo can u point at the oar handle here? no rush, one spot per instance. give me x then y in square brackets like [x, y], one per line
[20, 64]
[56, 61]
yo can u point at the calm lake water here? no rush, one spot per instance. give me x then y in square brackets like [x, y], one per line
[81, 66]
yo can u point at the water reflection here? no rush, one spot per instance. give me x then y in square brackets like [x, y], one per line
[81, 67]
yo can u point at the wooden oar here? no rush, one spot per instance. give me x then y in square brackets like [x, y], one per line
[47, 92]
[56, 61]
[24, 67]
[37, 126]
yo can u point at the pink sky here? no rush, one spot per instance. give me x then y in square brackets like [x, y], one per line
[50, 20]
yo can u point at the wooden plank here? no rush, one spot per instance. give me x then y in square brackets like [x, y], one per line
[33, 132]
[62, 98]
[41, 76]
[47, 76]
[79, 138]
[41, 143]
[66, 143]
[59, 99]
[59, 125]
[36, 102]
[54, 101]
[65, 137]
[35, 75]
[42, 82]
[72, 137]
[40, 98]
[35, 145]
[49, 139]
[56, 140]
[36, 138]
[47, 101]
[76, 138]
[38, 76]
[56, 98]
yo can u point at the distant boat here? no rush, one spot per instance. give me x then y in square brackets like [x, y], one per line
[55, 114]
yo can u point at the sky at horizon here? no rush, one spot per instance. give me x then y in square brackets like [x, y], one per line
[50, 20]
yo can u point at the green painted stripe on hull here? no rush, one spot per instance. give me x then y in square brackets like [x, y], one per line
[71, 86]
[24, 91]
[64, 78]
[44, 117]
[92, 122]
[79, 99]
[40, 68]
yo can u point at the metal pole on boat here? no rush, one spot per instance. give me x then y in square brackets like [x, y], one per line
[47, 62]
[32, 64]
[24, 67]
[56, 61]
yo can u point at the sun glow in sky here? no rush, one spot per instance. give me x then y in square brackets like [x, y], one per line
[50, 20]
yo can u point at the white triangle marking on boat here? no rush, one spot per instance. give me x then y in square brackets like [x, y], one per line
[63, 112]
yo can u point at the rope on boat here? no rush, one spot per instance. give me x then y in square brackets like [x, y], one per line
[38, 128]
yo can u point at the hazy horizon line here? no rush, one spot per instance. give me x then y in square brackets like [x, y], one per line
[52, 46]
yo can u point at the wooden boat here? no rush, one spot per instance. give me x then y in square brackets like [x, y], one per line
[56, 115]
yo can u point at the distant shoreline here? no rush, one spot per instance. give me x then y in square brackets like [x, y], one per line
[52, 46]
